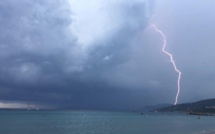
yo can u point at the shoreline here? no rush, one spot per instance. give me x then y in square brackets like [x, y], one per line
[207, 132]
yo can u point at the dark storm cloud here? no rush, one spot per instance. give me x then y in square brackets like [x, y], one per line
[44, 60]
[103, 54]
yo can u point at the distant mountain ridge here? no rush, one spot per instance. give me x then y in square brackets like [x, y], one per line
[199, 107]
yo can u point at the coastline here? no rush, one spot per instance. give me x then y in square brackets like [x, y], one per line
[200, 113]
[212, 132]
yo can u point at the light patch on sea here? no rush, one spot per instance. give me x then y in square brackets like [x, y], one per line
[90, 122]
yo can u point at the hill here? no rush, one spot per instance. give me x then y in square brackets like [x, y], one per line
[197, 108]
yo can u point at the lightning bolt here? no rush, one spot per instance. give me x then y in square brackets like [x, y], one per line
[172, 60]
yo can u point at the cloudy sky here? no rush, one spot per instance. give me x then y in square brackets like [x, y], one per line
[104, 54]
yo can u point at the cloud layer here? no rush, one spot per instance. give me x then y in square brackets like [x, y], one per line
[50, 49]
[103, 54]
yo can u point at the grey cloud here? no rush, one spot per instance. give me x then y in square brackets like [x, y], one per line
[43, 61]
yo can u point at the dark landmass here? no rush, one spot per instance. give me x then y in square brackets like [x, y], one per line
[203, 107]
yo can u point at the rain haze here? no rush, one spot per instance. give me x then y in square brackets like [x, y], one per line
[105, 54]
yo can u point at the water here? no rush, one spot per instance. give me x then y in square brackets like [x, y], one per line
[83, 122]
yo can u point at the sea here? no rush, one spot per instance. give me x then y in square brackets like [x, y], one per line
[100, 122]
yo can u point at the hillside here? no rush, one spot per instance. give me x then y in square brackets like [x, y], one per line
[200, 107]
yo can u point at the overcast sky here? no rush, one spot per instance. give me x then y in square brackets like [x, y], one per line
[104, 54]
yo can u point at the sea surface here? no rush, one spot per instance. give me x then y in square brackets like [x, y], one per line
[90, 122]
